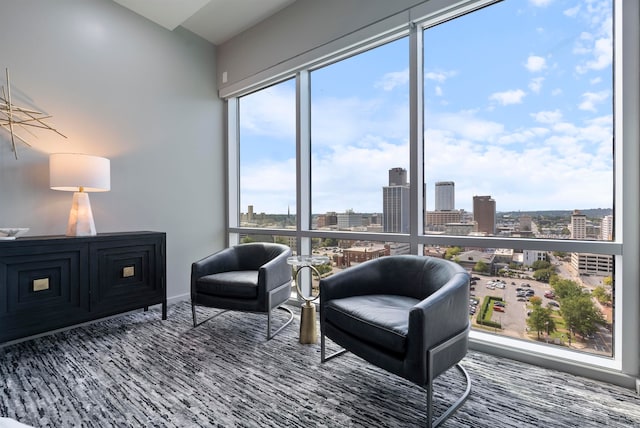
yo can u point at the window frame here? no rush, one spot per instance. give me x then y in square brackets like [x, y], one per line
[624, 366]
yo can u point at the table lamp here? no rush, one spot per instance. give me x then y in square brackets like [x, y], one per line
[79, 173]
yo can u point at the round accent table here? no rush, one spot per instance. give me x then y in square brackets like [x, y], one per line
[308, 330]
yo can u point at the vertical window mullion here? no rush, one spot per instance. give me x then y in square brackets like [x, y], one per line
[303, 158]
[416, 137]
[233, 166]
[627, 133]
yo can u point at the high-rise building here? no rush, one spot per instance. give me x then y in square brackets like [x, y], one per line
[606, 228]
[349, 220]
[398, 177]
[445, 196]
[484, 214]
[578, 226]
[395, 202]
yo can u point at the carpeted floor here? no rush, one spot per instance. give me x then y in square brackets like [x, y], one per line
[139, 371]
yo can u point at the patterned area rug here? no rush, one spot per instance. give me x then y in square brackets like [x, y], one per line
[139, 371]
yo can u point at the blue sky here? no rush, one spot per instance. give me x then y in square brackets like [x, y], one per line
[518, 105]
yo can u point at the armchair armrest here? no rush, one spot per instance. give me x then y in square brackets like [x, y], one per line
[437, 318]
[275, 272]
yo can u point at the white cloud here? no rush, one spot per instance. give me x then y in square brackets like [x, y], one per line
[572, 12]
[540, 3]
[270, 112]
[523, 136]
[556, 92]
[508, 97]
[595, 80]
[567, 165]
[393, 79]
[535, 63]
[547, 117]
[591, 99]
[466, 125]
[438, 91]
[440, 76]
[536, 84]
[597, 43]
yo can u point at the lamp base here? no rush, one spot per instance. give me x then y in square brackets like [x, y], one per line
[81, 217]
[308, 330]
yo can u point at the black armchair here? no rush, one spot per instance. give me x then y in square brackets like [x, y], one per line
[251, 277]
[406, 314]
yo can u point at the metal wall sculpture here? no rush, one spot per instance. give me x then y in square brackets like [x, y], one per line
[13, 116]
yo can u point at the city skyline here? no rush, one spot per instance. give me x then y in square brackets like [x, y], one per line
[521, 111]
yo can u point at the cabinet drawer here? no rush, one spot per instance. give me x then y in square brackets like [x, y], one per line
[126, 275]
[43, 290]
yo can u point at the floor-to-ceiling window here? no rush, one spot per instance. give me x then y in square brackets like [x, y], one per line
[518, 125]
[360, 141]
[509, 137]
[267, 157]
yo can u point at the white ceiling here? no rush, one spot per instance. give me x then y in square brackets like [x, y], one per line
[214, 20]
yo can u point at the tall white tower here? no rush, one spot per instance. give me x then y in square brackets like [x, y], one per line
[606, 228]
[445, 196]
[578, 226]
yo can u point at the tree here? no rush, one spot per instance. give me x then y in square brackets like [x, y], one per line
[560, 254]
[481, 266]
[543, 275]
[564, 288]
[541, 264]
[452, 252]
[580, 314]
[329, 242]
[602, 295]
[536, 301]
[541, 320]
[608, 281]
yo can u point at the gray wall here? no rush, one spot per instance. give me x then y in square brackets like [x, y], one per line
[307, 30]
[122, 87]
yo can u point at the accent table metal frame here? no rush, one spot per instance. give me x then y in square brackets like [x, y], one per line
[308, 328]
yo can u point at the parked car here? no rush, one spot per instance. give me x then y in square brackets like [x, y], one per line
[498, 308]
[529, 293]
[553, 303]
[498, 303]
[549, 294]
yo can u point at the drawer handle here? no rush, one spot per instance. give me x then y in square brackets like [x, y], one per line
[41, 284]
[128, 271]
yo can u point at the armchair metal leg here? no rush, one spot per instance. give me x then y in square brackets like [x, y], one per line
[455, 406]
[271, 336]
[323, 356]
[196, 323]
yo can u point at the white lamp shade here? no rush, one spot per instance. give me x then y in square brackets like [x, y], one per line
[72, 171]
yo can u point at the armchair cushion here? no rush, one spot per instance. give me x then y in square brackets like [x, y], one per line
[241, 284]
[382, 319]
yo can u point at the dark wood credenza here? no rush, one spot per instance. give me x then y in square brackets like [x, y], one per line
[52, 282]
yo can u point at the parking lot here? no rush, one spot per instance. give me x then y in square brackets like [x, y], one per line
[514, 314]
